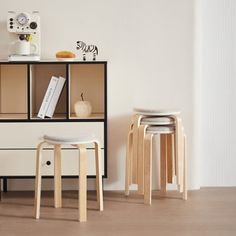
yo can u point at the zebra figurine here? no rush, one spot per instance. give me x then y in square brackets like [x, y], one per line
[87, 48]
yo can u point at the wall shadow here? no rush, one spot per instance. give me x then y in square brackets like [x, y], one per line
[117, 135]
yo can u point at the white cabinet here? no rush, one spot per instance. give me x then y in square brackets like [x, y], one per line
[22, 162]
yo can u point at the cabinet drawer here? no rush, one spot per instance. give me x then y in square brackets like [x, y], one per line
[22, 163]
[27, 135]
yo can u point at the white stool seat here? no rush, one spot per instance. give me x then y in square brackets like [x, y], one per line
[156, 112]
[157, 121]
[80, 139]
[160, 129]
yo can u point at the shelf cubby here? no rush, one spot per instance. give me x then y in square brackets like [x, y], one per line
[13, 91]
[40, 77]
[89, 80]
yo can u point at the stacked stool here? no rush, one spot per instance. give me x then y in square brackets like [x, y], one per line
[144, 125]
[78, 142]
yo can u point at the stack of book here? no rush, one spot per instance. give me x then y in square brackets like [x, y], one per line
[51, 97]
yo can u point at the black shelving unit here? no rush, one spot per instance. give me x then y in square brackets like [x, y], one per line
[67, 119]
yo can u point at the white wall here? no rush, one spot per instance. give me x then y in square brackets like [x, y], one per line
[149, 48]
[217, 86]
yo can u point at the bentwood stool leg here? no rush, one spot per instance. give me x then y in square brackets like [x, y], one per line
[82, 183]
[180, 153]
[38, 181]
[163, 163]
[128, 166]
[140, 177]
[57, 176]
[185, 192]
[169, 159]
[135, 149]
[98, 176]
[148, 169]
[177, 137]
[174, 165]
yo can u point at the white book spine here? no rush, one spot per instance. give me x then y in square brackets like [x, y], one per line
[55, 98]
[47, 97]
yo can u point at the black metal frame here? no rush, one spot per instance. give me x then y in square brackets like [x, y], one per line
[29, 120]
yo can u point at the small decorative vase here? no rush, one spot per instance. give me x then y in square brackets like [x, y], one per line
[83, 109]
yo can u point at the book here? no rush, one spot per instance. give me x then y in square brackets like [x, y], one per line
[47, 97]
[55, 97]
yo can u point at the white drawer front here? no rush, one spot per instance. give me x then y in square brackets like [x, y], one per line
[22, 163]
[27, 135]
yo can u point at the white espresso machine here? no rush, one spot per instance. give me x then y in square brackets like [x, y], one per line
[24, 29]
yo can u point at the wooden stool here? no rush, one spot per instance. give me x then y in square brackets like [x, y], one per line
[80, 143]
[165, 123]
[135, 171]
[166, 160]
[134, 148]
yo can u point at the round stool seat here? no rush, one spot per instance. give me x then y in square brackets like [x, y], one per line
[157, 121]
[156, 112]
[80, 139]
[160, 129]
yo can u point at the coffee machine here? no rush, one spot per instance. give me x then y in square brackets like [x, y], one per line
[24, 29]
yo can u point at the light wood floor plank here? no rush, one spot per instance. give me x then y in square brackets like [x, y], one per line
[207, 212]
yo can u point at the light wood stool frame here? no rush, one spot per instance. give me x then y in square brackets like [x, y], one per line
[165, 166]
[57, 178]
[172, 163]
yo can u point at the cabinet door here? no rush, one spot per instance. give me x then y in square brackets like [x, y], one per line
[22, 163]
[28, 135]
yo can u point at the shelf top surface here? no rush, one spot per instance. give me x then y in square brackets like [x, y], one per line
[52, 61]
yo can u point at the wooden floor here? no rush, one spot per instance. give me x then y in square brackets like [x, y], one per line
[210, 211]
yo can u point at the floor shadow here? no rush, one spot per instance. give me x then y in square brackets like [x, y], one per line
[16, 216]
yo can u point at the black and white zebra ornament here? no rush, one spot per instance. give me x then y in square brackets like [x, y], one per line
[86, 49]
